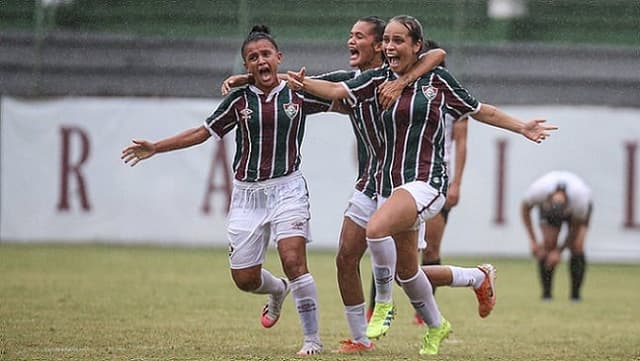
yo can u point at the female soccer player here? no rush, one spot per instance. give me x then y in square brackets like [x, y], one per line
[269, 199]
[412, 183]
[365, 53]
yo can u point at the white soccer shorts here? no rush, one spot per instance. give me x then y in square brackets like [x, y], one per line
[429, 201]
[360, 209]
[263, 211]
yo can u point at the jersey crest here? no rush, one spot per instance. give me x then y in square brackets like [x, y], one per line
[291, 109]
[429, 92]
[245, 114]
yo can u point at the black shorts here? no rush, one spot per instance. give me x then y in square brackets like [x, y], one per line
[547, 218]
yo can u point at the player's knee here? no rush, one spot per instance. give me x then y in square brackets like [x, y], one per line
[346, 261]
[405, 273]
[376, 230]
[293, 267]
[246, 281]
[430, 255]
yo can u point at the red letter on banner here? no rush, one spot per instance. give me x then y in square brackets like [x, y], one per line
[629, 221]
[69, 169]
[219, 160]
[500, 183]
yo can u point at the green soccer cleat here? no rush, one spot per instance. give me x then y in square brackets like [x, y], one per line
[433, 337]
[380, 321]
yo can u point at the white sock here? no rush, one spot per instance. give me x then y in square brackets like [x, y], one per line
[383, 260]
[466, 277]
[357, 323]
[305, 296]
[418, 289]
[270, 284]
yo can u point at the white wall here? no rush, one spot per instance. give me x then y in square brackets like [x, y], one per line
[160, 200]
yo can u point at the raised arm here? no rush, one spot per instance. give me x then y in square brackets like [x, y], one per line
[390, 91]
[234, 81]
[143, 149]
[533, 130]
[320, 88]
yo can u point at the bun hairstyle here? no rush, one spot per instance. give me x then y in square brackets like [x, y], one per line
[258, 32]
[260, 29]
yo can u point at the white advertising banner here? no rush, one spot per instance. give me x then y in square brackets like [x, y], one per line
[62, 180]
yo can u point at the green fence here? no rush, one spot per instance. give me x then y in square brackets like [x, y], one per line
[614, 22]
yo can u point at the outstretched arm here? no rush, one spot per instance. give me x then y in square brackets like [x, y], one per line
[235, 81]
[320, 88]
[533, 130]
[390, 91]
[143, 149]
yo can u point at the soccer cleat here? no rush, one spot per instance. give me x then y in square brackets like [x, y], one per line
[271, 311]
[417, 319]
[310, 348]
[380, 322]
[349, 346]
[486, 293]
[433, 337]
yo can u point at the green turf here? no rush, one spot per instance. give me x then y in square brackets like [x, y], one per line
[145, 303]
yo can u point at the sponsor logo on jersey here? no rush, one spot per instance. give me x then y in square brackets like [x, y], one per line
[429, 91]
[291, 109]
[245, 114]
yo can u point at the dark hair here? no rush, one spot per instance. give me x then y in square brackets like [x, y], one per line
[258, 32]
[429, 44]
[378, 25]
[412, 24]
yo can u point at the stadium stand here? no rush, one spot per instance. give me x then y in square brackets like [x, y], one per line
[555, 54]
[574, 21]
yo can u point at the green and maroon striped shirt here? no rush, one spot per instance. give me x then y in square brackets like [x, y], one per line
[366, 128]
[413, 128]
[269, 129]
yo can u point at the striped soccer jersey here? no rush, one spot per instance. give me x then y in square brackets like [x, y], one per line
[413, 129]
[367, 130]
[270, 129]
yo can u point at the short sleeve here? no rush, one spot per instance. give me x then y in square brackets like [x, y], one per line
[363, 87]
[458, 100]
[224, 118]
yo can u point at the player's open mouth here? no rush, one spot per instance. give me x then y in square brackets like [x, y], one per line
[393, 60]
[265, 74]
[354, 53]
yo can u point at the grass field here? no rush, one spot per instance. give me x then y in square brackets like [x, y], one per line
[143, 303]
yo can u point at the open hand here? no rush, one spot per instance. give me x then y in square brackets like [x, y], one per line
[139, 150]
[553, 258]
[536, 131]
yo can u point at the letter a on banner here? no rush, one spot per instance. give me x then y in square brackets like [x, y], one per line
[219, 160]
